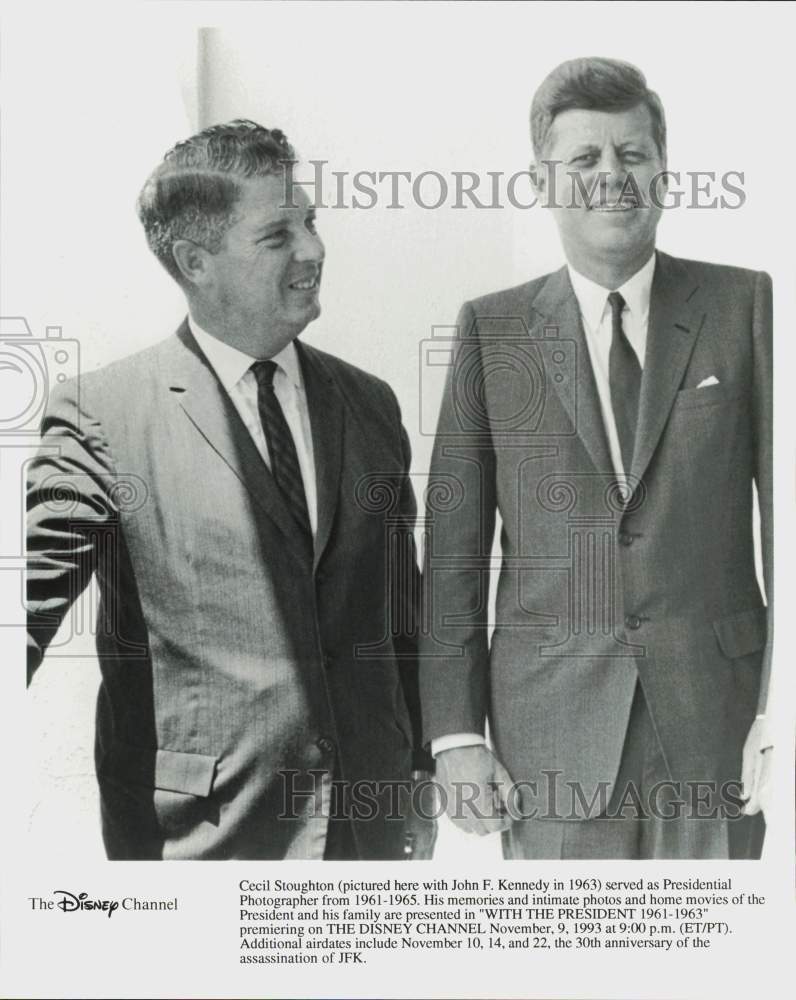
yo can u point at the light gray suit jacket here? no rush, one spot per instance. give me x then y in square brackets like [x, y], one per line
[235, 665]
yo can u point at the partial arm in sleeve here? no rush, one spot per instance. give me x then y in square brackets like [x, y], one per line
[67, 499]
[756, 763]
[764, 471]
[460, 519]
[407, 596]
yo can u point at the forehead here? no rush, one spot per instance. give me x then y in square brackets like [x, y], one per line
[581, 126]
[267, 199]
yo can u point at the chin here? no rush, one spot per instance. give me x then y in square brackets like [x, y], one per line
[620, 240]
[301, 321]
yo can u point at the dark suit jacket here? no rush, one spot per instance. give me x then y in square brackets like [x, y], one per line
[592, 594]
[234, 665]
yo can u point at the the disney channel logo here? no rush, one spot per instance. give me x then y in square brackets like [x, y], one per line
[70, 902]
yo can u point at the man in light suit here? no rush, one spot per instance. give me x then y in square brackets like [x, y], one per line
[616, 415]
[236, 493]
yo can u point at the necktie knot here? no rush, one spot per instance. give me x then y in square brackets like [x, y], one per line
[264, 372]
[617, 304]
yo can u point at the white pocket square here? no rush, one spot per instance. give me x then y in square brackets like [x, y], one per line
[710, 380]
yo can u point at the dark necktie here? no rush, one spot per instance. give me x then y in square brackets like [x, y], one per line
[281, 447]
[624, 377]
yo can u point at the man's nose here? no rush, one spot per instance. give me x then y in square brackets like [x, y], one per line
[309, 248]
[612, 168]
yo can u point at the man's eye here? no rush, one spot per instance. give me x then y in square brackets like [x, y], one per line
[584, 159]
[633, 156]
[275, 239]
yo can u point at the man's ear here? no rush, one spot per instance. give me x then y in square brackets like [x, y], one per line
[192, 260]
[538, 175]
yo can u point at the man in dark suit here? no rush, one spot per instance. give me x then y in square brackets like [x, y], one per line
[616, 415]
[237, 494]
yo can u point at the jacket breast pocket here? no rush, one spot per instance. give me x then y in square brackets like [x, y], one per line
[707, 395]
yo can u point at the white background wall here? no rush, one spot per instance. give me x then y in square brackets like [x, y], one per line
[92, 98]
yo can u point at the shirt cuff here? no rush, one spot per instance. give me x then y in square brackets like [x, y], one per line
[766, 741]
[454, 740]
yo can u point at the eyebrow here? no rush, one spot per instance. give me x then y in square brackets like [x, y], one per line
[263, 227]
[281, 221]
[592, 147]
[267, 228]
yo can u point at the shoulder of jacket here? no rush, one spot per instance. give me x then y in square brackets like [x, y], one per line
[709, 273]
[349, 375]
[506, 298]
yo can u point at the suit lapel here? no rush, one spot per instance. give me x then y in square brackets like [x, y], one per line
[675, 319]
[326, 423]
[557, 305]
[209, 408]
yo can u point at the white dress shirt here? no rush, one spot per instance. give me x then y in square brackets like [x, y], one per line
[233, 369]
[596, 316]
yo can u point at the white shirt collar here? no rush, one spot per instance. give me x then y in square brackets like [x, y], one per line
[592, 298]
[231, 365]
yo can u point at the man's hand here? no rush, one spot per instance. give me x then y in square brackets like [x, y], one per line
[476, 787]
[756, 772]
[421, 825]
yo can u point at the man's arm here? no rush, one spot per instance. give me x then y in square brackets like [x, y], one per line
[454, 665]
[762, 415]
[406, 599]
[756, 754]
[421, 829]
[67, 498]
[460, 517]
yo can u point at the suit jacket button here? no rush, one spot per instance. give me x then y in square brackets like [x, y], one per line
[324, 744]
[328, 661]
[633, 622]
[626, 538]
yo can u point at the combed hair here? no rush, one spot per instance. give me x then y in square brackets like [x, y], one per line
[593, 84]
[192, 193]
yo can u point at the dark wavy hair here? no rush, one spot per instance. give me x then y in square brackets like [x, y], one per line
[192, 193]
[593, 84]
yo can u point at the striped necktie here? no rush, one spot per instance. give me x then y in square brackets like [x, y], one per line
[281, 446]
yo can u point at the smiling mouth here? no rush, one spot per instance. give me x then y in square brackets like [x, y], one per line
[306, 284]
[617, 206]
